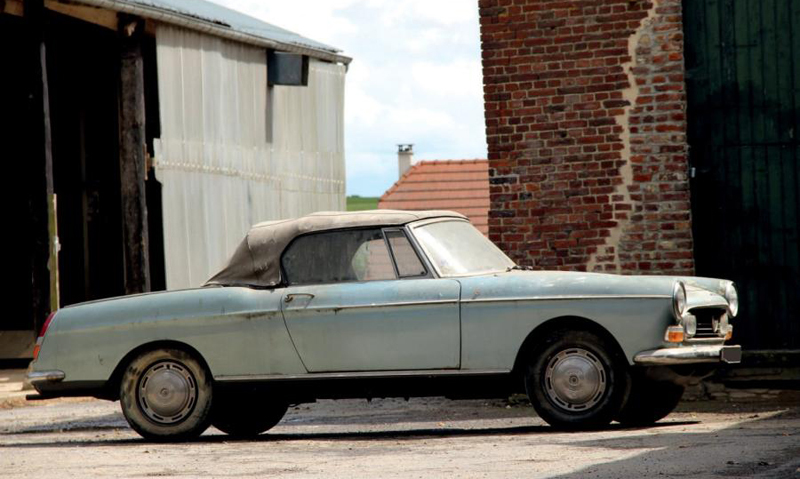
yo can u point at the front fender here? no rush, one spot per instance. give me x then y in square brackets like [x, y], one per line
[498, 312]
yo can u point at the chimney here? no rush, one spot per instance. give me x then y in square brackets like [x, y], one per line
[404, 153]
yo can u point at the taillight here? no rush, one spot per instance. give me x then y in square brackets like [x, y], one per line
[46, 324]
[38, 345]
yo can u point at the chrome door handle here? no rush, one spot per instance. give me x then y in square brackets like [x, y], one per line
[290, 297]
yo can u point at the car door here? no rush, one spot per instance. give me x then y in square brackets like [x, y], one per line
[361, 300]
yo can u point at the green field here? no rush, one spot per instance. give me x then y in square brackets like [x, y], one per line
[358, 203]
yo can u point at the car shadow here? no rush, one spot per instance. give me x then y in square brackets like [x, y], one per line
[421, 433]
[745, 445]
[386, 435]
[98, 423]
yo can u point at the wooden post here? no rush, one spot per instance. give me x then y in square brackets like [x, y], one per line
[40, 175]
[132, 149]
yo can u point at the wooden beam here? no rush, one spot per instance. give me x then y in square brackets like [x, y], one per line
[12, 7]
[132, 155]
[97, 16]
[40, 163]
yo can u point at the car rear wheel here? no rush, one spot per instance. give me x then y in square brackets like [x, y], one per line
[247, 414]
[649, 401]
[166, 395]
[576, 380]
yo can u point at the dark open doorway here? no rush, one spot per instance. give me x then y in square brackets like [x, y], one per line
[16, 195]
[81, 107]
[83, 71]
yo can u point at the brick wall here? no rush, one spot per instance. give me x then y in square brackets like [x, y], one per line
[585, 122]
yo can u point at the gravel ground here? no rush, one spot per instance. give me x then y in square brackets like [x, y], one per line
[419, 438]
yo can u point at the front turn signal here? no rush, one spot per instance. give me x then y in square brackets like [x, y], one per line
[674, 334]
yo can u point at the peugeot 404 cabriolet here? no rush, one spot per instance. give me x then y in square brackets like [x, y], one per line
[386, 304]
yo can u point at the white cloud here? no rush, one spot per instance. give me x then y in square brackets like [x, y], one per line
[461, 77]
[370, 164]
[444, 12]
[362, 109]
[313, 19]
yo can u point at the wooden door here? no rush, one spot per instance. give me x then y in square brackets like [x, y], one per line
[743, 82]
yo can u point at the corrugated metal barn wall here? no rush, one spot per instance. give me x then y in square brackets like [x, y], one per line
[234, 152]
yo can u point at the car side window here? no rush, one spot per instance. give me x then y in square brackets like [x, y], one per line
[408, 263]
[372, 261]
[337, 256]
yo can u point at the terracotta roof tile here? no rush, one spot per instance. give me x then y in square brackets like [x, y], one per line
[456, 185]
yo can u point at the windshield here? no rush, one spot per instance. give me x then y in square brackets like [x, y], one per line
[456, 248]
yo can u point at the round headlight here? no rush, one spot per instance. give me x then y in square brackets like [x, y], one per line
[678, 300]
[733, 299]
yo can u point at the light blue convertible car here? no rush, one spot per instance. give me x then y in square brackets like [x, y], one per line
[386, 304]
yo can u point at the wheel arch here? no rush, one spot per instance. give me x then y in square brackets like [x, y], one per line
[572, 323]
[112, 385]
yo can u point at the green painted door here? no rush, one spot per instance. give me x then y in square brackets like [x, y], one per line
[743, 87]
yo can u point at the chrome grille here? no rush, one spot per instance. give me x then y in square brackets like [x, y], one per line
[707, 322]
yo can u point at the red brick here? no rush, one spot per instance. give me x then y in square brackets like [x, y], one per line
[554, 77]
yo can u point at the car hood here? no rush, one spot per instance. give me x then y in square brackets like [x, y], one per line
[558, 284]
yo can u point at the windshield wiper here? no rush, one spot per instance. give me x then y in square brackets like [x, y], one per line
[521, 268]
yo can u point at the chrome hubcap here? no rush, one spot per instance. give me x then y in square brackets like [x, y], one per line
[167, 392]
[575, 379]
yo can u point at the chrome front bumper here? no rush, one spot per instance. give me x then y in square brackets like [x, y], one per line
[39, 377]
[690, 355]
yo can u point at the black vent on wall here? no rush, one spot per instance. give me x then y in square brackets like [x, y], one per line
[289, 69]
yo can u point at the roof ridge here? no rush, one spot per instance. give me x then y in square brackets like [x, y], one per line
[456, 161]
[212, 18]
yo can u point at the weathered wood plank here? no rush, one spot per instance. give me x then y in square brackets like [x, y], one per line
[40, 164]
[97, 16]
[132, 156]
[12, 7]
[793, 12]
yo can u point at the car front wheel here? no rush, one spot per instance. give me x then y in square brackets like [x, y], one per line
[576, 380]
[166, 395]
[247, 414]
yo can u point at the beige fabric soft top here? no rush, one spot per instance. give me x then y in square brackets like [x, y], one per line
[256, 261]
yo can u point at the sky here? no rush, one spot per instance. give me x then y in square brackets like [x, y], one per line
[415, 77]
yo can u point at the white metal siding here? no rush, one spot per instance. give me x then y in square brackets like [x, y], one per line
[220, 167]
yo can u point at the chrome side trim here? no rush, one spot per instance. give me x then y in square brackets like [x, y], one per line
[38, 377]
[364, 375]
[690, 355]
[373, 305]
[565, 298]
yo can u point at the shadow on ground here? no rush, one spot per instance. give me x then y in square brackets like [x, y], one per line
[390, 435]
[763, 442]
[750, 449]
